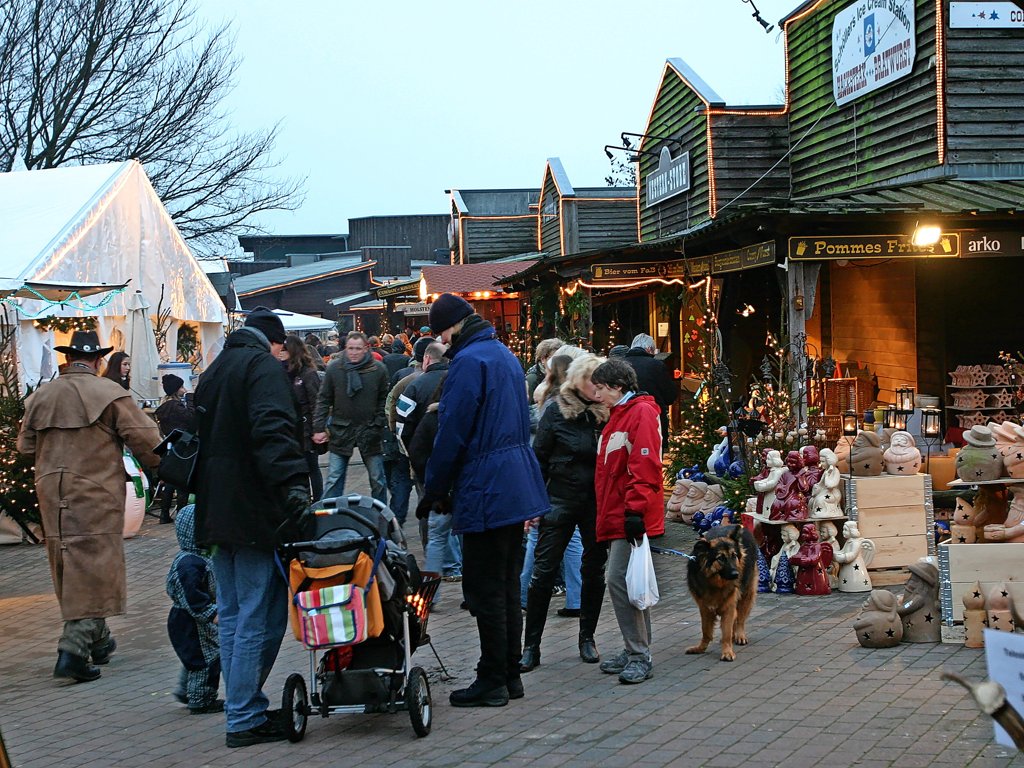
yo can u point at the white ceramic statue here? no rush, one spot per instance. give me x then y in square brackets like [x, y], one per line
[790, 546]
[827, 493]
[718, 452]
[713, 498]
[827, 535]
[854, 559]
[764, 484]
[902, 456]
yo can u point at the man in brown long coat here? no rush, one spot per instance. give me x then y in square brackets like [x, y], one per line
[76, 428]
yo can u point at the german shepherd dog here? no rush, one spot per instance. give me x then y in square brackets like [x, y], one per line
[722, 582]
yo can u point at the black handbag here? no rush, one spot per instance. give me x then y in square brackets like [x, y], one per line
[178, 453]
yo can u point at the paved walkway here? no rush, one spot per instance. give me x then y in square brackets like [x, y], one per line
[803, 693]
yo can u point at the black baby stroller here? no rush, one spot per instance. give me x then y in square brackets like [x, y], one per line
[358, 601]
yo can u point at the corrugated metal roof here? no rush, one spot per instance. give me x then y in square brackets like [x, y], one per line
[272, 279]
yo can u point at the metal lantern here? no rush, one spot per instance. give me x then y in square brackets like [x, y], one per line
[905, 400]
[930, 422]
[849, 424]
[889, 418]
[900, 421]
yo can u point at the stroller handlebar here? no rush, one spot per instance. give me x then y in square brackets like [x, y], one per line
[328, 546]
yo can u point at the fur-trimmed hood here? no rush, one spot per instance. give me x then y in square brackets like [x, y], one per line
[572, 406]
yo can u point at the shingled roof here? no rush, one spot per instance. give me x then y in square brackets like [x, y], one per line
[470, 278]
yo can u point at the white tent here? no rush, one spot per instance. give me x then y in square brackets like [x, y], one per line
[294, 322]
[86, 225]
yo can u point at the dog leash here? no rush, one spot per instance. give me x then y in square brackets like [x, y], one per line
[667, 551]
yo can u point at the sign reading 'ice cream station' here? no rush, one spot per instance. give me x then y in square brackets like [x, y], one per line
[872, 45]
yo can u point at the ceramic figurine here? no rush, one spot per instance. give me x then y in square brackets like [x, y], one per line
[790, 503]
[961, 527]
[692, 473]
[854, 559]
[812, 561]
[712, 500]
[1012, 530]
[842, 451]
[768, 478]
[1013, 453]
[764, 573]
[979, 460]
[975, 617]
[827, 534]
[827, 493]
[691, 503]
[879, 625]
[866, 455]
[902, 457]
[997, 606]
[919, 604]
[811, 473]
[790, 546]
[991, 505]
[783, 579]
[885, 437]
[675, 502]
[717, 453]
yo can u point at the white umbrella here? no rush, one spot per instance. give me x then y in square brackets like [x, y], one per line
[141, 347]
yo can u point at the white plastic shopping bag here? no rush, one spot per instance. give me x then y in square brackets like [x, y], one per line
[641, 584]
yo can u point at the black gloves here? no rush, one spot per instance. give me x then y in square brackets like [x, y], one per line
[440, 504]
[634, 527]
[297, 507]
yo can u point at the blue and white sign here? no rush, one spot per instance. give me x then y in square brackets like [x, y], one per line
[873, 45]
[986, 16]
[670, 178]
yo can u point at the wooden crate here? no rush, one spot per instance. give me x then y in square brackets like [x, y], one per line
[896, 513]
[960, 565]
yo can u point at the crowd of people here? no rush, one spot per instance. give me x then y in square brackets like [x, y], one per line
[564, 462]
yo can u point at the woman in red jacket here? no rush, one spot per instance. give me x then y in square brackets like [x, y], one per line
[629, 502]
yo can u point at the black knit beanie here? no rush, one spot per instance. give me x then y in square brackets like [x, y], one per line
[172, 383]
[446, 310]
[262, 319]
[420, 347]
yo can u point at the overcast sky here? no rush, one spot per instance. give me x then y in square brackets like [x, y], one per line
[384, 105]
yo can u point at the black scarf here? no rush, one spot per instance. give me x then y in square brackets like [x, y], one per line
[472, 325]
[353, 381]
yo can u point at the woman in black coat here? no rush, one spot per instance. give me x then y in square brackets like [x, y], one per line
[566, 447]
[305, 381]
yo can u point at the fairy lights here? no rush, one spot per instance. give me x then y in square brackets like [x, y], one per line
[940, 83]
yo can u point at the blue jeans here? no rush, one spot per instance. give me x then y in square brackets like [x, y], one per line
[572, 562]
[443, 554]
[337, 469]
[399, 481]
[252, 615]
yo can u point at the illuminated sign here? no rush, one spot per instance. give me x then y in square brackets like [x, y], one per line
[758, 255]
[870, 247]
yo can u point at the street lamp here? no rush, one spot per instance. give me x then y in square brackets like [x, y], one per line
[850, 424]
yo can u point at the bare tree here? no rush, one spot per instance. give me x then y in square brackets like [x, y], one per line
[87, 81]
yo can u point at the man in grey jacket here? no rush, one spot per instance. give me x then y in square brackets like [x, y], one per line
[350, 414]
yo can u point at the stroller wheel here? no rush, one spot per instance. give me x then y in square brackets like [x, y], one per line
[417, 698]
[295, 707]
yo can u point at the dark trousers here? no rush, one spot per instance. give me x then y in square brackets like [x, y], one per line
[167, 498]
[490, 584]
[316, 480]
[556, 528]
[399, 479]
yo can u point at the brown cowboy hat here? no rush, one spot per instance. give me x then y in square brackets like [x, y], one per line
[84, 342]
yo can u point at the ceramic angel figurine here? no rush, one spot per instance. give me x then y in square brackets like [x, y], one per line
[1012, 530]
[812, 561]
[902, 457]
[768, 478]
[854, 559]
[811, 472]
[919, 604]
[827, 534]
[879, 625]
[827, 493]
[866, 455]
[790, 546]
[790, 503]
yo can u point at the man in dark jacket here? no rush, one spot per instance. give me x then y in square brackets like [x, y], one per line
[251, 478]
[482, 460]
[351, 407]
[396, 359]
[415, 365]
[653, 377]
[414, 399]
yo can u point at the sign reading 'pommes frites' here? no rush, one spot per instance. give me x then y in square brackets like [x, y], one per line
[872, 46]
[830, 247]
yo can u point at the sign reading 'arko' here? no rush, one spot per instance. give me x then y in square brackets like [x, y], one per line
[870, 247]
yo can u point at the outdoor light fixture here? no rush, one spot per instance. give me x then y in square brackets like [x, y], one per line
[925, 235]
[625, 141]
[905, 399]
[849, 423]
[758, 18]
[745, 311]
[634, 153]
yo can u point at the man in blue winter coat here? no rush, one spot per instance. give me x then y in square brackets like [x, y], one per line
[483, 471]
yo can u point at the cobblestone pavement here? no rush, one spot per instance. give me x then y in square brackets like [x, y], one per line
[802, 693]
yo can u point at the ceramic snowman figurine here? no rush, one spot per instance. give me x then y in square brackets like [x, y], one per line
[866, 455]
[691, 504]
[1000, 616]
[676, 501]
[919, 604]
[902, 456]
[879, 625]
[1012, 530]
[854, 559]
[979, 460]
[975, 617]
[766, 481]
[827, 492]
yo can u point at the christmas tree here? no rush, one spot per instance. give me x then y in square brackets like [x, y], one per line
[17, 477]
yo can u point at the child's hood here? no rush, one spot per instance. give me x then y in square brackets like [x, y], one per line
[184, 527]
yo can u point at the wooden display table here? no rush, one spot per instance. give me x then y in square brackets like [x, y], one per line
[896, 513]
[960, 565]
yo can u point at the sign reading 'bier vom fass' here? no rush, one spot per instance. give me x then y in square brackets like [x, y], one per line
[873, 45]
[670, 178]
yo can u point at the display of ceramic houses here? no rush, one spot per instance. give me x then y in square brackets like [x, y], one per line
[674, 503]
[997, 606]
[827, 494]
[842, 451]
[854, 559]
[764, 573]
[975, 617]
[1012, 529]
[691, 503]
[961, 527]
[969, 376]
[902, 456]
[866, 455]
[812, 561]
[919, 604]
[979, 460]
[827, 534]
[766, 480]
[879, 625]
[1013, 453]
[996, 375]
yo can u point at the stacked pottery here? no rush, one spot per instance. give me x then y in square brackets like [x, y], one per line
[979, 460]
[879, 625]
[902, 456]
[866, 455]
